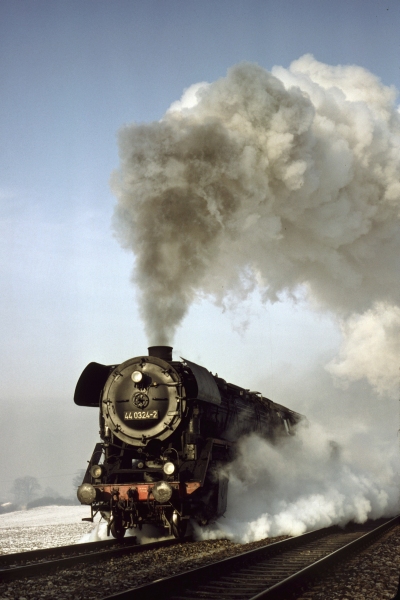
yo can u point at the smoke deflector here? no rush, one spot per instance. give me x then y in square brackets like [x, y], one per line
[207, 389]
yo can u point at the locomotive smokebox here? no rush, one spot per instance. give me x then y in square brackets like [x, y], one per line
[163, 352]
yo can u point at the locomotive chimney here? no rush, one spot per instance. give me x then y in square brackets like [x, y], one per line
[163, 352]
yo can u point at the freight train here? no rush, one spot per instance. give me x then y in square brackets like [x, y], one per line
[167, 428]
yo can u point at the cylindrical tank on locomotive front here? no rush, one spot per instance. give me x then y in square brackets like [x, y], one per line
[153, 397]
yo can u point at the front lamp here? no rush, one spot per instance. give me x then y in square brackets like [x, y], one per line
[137, 376]
[169, 468]
[86, 493]
[96, 471]
[162, 491]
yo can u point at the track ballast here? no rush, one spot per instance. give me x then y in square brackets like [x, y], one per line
[271, 572]
[38, 562]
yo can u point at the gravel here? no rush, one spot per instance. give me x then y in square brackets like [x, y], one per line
[93, 582]
[371, 575]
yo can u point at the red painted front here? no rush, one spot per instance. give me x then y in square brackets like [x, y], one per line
[142, 489]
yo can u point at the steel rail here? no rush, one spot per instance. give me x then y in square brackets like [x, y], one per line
[322, 566]
[243, 576]
[46, 566]
[165, 587]
[45, 553]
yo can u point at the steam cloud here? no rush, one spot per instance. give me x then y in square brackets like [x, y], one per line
[284, 181]
[307, 482]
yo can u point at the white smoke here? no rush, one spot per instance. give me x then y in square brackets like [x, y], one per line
[97, 534]
[286, 181]
[305, 483]
[146, 535]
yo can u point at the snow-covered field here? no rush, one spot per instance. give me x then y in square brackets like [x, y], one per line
[43, 527]
[49, 526]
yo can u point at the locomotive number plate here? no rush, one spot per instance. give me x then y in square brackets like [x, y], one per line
[133, 415]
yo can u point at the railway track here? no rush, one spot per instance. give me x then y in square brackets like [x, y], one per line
[271, 572]
[39, 562]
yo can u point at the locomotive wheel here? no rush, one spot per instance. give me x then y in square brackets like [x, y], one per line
[179, 528]
[117, 529]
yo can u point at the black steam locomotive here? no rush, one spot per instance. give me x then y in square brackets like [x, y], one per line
[167, 428]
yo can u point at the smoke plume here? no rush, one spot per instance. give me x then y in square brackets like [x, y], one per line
[285, 181]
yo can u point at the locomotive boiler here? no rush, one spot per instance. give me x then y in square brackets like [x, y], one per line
[167, 429]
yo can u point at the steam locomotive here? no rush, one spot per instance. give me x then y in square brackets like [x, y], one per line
[167, 428]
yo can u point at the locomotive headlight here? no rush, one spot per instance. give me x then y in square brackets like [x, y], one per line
[86, 493]
[96, 471]
[169, 468]
[162, 491]
[137, 376]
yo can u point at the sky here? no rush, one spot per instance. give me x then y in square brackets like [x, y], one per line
[72, 75]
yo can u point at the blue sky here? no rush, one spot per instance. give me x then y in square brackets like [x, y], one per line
[72, 73]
